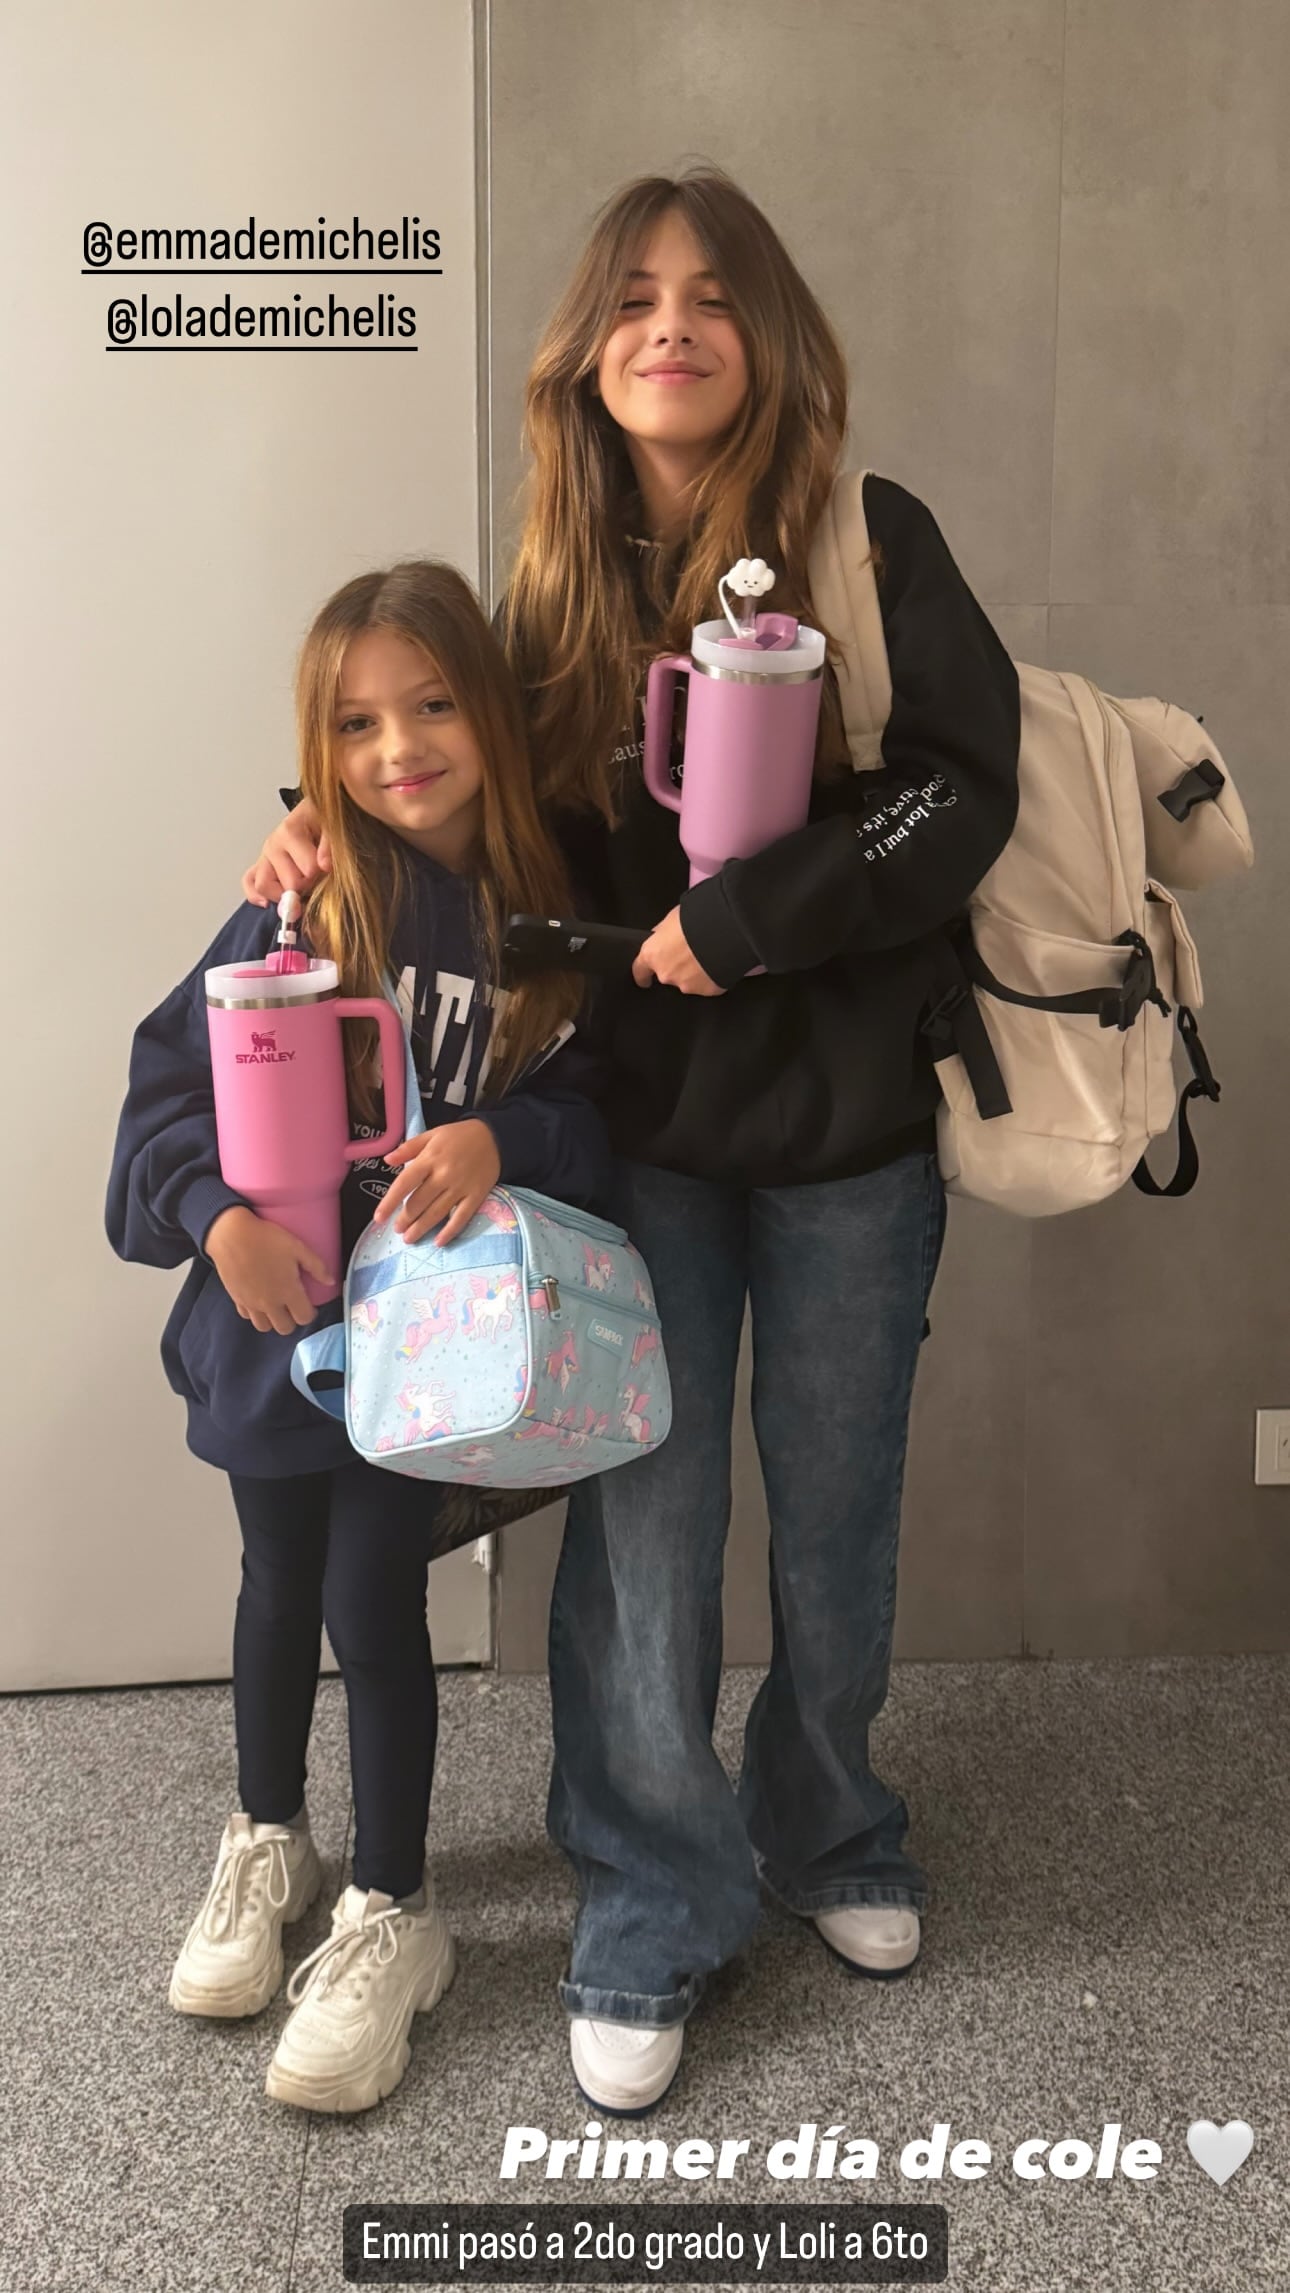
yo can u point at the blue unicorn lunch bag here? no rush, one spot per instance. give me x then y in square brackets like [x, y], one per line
[527, 1351]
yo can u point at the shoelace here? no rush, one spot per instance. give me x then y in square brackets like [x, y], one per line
[334, 1961]
[224, 1904]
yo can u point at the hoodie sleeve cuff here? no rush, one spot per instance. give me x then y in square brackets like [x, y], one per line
[202, 1203]
[712, 934]
[521, 1140]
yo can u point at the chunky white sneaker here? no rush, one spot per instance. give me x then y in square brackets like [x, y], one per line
[231, 1962]
[624, 2067]
[346, 2046]
[871, 1938]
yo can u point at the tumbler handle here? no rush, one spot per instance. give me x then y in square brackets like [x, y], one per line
[660, 686]
[393, 1071]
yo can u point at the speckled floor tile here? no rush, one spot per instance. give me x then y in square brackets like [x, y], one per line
[1107, 1846]
[140, 2150]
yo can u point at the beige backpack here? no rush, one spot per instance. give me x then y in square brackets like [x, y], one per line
[1053, 1018]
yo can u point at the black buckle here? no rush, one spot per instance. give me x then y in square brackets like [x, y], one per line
[937, 1023]
[1120, 1005]
[1202, 784]
[1195, 1049]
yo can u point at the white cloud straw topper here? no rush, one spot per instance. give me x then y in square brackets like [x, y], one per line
[750, 578]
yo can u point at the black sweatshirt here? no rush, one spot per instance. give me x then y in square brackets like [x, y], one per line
[166, 1191]
[817, 1070]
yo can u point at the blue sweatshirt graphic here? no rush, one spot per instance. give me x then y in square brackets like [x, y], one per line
[165, 1189]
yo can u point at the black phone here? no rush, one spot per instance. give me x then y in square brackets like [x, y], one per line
[562, 943]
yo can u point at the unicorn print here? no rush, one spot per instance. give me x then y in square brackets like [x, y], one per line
[599, 1268]
[429, 1412]
[564, 1362]
[365, 1318]
[567, 1429]
[575, 1436]
[537, 1429]
[634, 1423]
[499, 1214]
[646, 1343]
[476, 1458]
[429, 1321]
[643, 1297]
[492, 1304]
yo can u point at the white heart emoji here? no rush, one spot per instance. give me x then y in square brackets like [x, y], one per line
[1220, 2150]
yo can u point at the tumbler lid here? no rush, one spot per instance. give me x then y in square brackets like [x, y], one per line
[256, 988]
[711, 647]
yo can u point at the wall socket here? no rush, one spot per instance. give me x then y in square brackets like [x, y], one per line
[1272, 1448]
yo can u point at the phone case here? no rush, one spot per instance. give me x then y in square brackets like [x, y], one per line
[553, 943]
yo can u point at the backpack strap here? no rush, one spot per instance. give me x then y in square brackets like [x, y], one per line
[1111, 1006]
[844, 593]
[954, 1026]
[1203, 1085]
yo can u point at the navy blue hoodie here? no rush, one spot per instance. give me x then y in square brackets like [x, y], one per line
[166, 1191]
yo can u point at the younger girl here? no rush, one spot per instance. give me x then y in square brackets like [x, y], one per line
[412, 749]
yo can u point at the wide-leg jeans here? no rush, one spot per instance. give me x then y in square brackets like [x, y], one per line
[669, 1857]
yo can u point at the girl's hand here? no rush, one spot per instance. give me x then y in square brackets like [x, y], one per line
[443, 1173]
[666, 957]
[291, 859]
[259, 1264]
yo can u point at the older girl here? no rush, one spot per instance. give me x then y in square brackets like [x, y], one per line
[775, 1137]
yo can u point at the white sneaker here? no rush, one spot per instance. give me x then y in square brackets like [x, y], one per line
[346, 2046]
[231, 1961]
[871, 1938]
[624, 2067]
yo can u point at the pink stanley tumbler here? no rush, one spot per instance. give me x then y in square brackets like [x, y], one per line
[281, 1110]
[751, 717]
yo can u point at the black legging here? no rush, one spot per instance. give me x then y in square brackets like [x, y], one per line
[351, 1548]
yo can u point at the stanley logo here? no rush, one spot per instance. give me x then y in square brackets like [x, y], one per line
[263, 1053]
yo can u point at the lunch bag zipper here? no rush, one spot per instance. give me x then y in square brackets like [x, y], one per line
[553, 1287]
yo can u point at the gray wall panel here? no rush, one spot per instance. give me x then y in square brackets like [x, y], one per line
[1173, 400]
[1050, 237]
[887, 145]
[1164, 1325]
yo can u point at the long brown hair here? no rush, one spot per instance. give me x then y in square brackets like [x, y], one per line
[572, 625]
[351, 911]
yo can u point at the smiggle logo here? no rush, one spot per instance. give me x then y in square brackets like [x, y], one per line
[264, 1053]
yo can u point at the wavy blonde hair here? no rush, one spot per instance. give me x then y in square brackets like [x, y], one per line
[571, 622]
[351, 912]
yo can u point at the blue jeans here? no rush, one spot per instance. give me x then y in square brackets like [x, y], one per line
[668, 1857]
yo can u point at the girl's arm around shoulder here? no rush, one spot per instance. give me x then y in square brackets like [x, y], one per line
[549, 1134]
[165, 1190]
[925, 828]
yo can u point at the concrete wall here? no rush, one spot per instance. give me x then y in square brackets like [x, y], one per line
[1051, 233]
